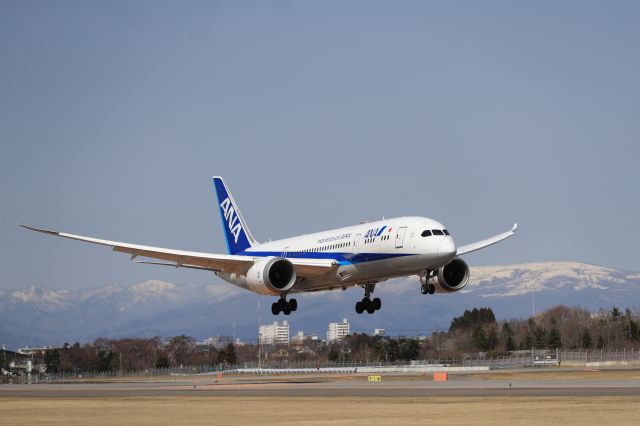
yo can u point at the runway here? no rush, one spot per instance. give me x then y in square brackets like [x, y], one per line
[339, 386]
[544, 397]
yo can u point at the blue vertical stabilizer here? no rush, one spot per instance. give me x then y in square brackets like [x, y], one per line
[236, 232]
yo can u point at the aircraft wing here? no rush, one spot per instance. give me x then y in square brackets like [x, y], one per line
[189, 259]
[486, 243]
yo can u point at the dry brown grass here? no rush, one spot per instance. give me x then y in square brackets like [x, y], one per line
[587, 374]
[307, 410]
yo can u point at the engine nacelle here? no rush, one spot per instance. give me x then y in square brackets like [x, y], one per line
[271, 275]
[451, 277]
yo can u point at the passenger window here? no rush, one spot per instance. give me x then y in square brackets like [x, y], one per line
[437, 232]
[426, 233]
[445, 232]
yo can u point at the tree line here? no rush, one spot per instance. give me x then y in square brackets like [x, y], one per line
[135, 354]
[475, 330]
[559, 327]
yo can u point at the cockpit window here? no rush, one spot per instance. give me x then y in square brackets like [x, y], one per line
[437, 232]
[426, 233]
[445, 232]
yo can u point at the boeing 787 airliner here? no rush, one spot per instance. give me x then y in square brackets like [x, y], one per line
[361, 255]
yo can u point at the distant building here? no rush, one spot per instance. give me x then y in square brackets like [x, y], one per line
[298, 338]
[32, 351]
[337, 331]
[274, 334]
[217, 342]
[378, 331]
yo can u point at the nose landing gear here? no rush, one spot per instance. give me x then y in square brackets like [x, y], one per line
[366, 304]
[426, 287]
[284, 306]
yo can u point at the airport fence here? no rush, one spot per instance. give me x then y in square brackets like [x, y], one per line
[264, 367]
[600, 355]
[517, 359]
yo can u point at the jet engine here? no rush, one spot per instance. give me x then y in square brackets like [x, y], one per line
[451, 277]
[271, 276]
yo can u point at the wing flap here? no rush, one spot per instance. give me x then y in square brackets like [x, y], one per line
[468, 248]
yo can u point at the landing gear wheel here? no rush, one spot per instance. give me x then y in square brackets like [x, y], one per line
[275, 308]
[424, 289]
[432, 288]
[284, 306]
[367, 305]
[377, 303]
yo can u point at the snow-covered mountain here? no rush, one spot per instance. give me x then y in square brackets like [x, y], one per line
[36, 316]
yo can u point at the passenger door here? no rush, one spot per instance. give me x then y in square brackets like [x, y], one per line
[356, 243]
[400, 236]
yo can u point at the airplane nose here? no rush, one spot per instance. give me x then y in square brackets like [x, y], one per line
[446, 249]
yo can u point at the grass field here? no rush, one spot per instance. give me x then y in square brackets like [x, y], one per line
[302, 410]
[558, 374]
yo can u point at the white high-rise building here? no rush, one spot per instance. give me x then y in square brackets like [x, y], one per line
[298, 339]
[274, 334]
[337, 331]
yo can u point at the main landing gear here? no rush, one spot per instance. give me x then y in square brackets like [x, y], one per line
[427, 288]
[284, 306]
[366, 304]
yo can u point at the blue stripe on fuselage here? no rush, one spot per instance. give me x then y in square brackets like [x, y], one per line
[341, 258]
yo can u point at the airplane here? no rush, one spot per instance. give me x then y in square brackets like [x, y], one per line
[362, 255]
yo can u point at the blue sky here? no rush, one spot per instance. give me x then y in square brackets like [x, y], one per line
[114, 115]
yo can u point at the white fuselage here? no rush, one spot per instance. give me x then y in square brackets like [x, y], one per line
[365, 253]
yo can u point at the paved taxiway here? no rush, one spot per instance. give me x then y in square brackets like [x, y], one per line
[323, 386]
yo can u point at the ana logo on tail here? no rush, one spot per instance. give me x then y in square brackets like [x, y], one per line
[231, 218]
